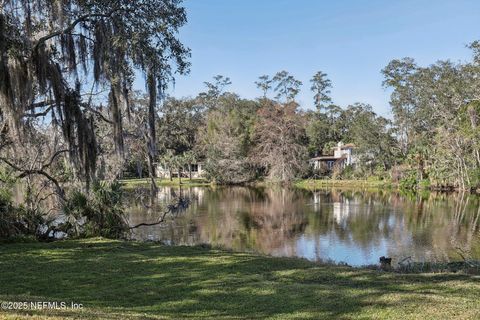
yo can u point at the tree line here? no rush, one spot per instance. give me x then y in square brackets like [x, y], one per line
[271, 137]
[436, 115]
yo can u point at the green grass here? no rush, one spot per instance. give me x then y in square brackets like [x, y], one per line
[134, 183]
[131, 280]
[306, 184]
[324, 183]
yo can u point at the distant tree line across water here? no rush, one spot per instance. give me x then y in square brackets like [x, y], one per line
[432, 140]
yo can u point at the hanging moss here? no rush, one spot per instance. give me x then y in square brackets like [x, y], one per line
[78, 132]
[117, 121]
[45, 46]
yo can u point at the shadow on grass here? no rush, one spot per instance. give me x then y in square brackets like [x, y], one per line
[115, 279]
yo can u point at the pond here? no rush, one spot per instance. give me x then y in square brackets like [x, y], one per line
[352, 226]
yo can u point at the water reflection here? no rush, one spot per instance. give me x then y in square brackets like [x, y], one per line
[352, 226]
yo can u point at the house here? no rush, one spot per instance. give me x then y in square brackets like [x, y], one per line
[343, 156]
[163, 172]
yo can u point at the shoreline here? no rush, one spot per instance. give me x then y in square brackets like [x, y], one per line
[186, 182]
[134, 182]
[319, 183]
[302, 183]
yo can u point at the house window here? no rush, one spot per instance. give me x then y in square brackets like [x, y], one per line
[194, 167]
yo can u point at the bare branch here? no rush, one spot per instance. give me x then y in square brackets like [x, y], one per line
[28, 172]
[56, 154]
[98, 113]
[181, 204]
[39, 114]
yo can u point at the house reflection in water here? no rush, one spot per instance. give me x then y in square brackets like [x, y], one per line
[166, 195]
[341, 207]
[341, 211]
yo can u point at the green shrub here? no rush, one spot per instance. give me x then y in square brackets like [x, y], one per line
[474, 176]
[99, 213]
[424, 184]
[347, 173]
[18, 221]
[7, 216]
[409, 180]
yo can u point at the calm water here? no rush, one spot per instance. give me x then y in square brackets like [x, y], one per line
[356, 227]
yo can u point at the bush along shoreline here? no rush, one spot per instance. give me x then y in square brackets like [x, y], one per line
[422, 186]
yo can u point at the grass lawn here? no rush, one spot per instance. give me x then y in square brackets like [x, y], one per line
[306, 184]
[134, 183]
[123, 280]
[322, 183]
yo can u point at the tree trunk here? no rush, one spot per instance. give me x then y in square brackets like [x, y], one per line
[477, 153]
[152, 150]
[180, 175]
[190, 171]
[139, 170]
[151, 172]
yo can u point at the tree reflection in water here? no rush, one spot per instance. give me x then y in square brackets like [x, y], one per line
[355, 226]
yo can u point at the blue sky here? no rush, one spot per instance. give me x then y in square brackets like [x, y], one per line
[349, 40]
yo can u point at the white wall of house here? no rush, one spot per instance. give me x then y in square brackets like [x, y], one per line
[344, 151]
[197, 171]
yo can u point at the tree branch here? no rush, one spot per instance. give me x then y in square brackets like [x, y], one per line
[98, 113]
[39, 114]
[162, 219]
[40, 104]
[53, 158]
[72, 26]
[25, 173]
[181, 204]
